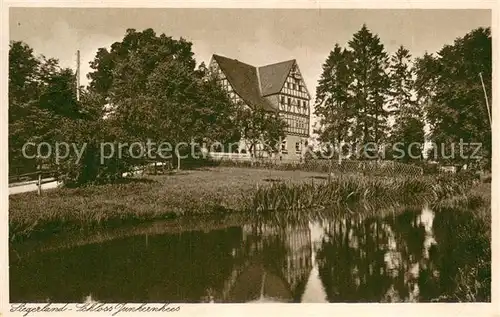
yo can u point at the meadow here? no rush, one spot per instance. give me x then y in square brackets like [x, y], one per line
[222, 190]
[218, 197]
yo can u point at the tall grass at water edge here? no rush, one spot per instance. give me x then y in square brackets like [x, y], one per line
[116, 205]
[368, 191]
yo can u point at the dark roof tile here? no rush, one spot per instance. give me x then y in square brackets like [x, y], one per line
[244, 80]
[273, 77]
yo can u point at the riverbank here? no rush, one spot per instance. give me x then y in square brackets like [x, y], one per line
[210, 190]
[213, 191]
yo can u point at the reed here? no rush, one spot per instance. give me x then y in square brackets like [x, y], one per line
[217, 191]
[368, 191]
[466, 229]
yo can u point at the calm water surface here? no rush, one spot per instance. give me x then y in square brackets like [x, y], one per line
[412, 256]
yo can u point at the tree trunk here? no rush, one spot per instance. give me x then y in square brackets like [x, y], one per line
[178, 159]
[252, 154]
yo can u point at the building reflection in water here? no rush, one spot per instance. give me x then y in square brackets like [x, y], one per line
[275, 264]
[409, 256]
[345, 259]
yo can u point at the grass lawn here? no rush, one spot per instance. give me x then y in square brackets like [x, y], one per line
[218, 190]
[153, 197]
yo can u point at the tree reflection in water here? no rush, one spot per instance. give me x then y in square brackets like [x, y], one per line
[285, 257]
[401, 257]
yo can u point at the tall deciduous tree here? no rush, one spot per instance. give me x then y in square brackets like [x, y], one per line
[156, 93]
[41, 96]
[23, 95]
[261, 127]
[456, 109]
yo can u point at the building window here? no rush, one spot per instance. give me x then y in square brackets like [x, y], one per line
[283, 99]
[283, 147]
[297, 147]
[288, 85]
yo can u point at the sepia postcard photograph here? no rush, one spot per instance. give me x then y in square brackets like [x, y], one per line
[162, 158]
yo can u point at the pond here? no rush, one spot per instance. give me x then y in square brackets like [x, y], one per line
[412, 256]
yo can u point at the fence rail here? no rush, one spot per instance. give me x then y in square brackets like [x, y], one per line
[378, 167]
[385, 168]
[33, 175]
[34, 178]
[389, 168]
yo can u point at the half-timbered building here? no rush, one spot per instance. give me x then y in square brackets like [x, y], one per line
[276, 87]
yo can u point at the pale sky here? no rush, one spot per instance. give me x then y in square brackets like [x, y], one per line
[256, 36]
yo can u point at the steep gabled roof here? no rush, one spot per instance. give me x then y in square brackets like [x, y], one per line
[256, 283]
[273, 77]
[244, 80]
